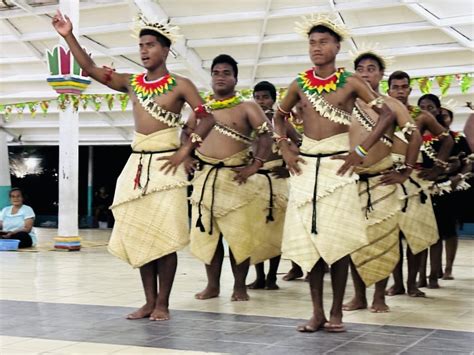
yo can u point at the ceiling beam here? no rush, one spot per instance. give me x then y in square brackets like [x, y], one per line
[279, 13]
[17, 34]
[294, 37]
[448, 29]
[122, 131]
[260, 42]
[51, 9]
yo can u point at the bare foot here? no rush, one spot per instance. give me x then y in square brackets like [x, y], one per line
[239, 295]
[415, 292]
[313, 325]
[354, 304]
[293, 274]
[379, 306]
[160, 313]
[208, 292]
[433, 283]
[142, 312]
[334, 325]
[448, 276]
[271, 284]
[395, 290]
[422, 282]
[258, 284]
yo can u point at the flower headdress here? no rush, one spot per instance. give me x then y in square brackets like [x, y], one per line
[163, 28]
[308, 22]
[373, 49]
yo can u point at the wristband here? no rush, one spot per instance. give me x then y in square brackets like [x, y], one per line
[283, 112]
[360, 151]
[195, 139]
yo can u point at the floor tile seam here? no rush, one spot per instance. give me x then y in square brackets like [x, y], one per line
[418, 341]
[221, 341]
[345, 343]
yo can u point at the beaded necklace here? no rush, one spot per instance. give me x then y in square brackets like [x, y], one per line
[145, 89]
[230, 102]
[311, 84]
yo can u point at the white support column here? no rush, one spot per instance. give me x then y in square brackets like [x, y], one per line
[5, 182]
[69, 153]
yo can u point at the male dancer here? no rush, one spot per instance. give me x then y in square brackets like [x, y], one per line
[149, 207]
[375, 262]
[324, 221]
[417, 222]
[264, 94]
[230, 199]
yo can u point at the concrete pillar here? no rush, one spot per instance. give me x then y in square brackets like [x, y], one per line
[68, 218]
[5, 181]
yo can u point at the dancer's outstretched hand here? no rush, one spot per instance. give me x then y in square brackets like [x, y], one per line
[393, 177]
[292, 159]
[350, 160]
[431, 174]
[243, 173]
[173, 161]
[62, 24]
[190, 165]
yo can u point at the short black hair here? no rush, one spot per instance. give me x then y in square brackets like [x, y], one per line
[266, 86]
[13, 190]
[227, 59]
[398, 75]
[433, 98]
[164, 41]
[371, 56]
[324, 29]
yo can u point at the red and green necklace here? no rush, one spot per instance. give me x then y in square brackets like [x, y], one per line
[312, 84]
[145, 89]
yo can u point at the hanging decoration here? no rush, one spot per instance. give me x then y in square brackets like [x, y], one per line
[85, 101]
[109, 99]
[33, 107]
[466, 82]
[444, 83]
[66, 76]
[123, 99]
[425, 84]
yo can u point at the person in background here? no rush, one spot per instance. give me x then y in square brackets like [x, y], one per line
[16, 220]
[102, 214]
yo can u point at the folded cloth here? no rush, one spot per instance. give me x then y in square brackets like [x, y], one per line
[416, 218]
[269, 241]
[221, 206]
[331, 225]
[149, 207]
[376, 261]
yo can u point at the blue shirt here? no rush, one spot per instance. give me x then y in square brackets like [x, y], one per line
[16, 221]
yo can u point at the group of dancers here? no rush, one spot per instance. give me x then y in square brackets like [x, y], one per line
[332, 177]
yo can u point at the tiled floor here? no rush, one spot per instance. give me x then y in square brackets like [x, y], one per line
[74, 302]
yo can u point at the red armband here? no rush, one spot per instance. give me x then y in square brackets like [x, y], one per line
[201, 111]
[108, 74]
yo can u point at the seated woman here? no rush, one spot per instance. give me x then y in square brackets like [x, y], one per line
[16, 221]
